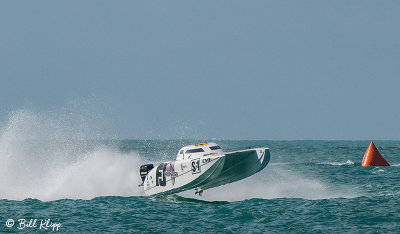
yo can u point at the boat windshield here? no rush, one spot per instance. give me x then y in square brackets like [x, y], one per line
[215, 147]
[194, 151]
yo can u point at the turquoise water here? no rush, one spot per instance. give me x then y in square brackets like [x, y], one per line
[91, 186]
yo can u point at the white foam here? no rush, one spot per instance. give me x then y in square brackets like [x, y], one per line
[273, 182]
[348, 162]
[377, 170]
[47, 156]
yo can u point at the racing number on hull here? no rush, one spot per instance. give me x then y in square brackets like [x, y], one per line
[196, 166]
[160, 175]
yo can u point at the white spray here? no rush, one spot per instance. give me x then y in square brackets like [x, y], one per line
[47, 156]
[274, 182]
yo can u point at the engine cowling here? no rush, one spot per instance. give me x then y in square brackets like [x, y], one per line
[144, 170]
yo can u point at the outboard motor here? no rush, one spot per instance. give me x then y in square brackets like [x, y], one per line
[144, 170]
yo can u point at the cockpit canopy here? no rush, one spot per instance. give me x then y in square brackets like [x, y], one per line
[199, 150]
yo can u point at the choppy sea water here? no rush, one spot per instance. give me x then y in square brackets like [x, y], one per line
[92, 186]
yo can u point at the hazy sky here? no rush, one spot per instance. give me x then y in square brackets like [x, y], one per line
[208, 69]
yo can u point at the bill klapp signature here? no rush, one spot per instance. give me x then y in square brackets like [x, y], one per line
[41, 224]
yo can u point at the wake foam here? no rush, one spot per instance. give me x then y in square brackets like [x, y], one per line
[273, 182]
[348, 162]
[48, 156]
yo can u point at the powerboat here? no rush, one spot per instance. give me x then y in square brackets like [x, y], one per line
[200, 167]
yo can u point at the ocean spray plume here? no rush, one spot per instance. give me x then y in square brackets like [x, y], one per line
[50, 156]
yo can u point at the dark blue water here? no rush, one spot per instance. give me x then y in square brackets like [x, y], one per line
[308, 187]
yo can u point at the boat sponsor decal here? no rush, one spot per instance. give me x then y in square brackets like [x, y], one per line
[206, 160]
[196, 166]
[183, 166]
[170, 172]
[163, 171]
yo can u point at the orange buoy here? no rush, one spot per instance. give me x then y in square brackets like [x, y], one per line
[372, 157]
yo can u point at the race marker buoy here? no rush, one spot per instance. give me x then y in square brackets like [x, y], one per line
[372, 157]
